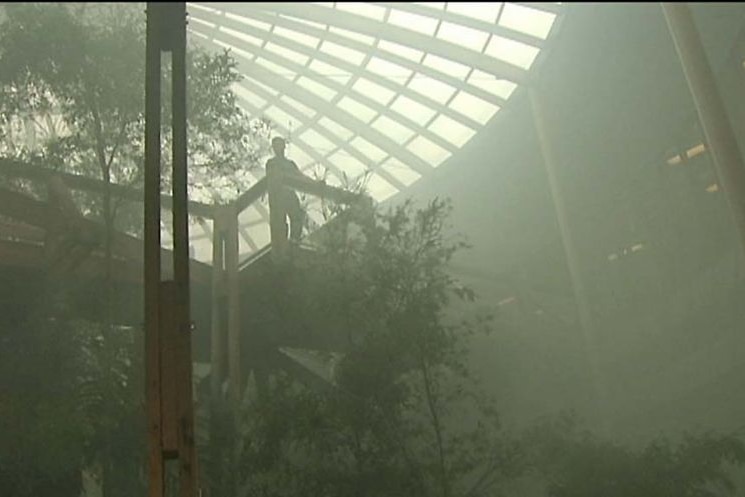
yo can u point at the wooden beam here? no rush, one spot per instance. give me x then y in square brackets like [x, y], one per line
[152, 253]
[36, 213]
[18, 169]
[251, 195]
[319, 189]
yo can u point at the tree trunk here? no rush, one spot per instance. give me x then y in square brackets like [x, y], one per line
[431, 405]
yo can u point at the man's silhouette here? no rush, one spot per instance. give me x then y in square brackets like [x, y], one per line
[283, 201]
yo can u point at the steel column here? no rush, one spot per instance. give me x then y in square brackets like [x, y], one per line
[598, 384]
[711, 111]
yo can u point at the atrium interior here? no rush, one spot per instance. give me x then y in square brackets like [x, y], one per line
[548, 195]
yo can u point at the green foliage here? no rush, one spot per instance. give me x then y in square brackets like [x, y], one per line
[577, 464]
[404, 416]
[68, 393]
[83, 65]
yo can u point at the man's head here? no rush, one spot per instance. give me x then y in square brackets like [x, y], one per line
[278, 145]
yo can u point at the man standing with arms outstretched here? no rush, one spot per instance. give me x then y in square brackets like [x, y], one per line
[283, 201]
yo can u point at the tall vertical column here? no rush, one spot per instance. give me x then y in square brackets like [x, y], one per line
[167, 317]
[598, 384]
[182, 325]
[152, 252]
[234, 311]
[717, 129]
[217, 337]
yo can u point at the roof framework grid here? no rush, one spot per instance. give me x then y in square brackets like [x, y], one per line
[388, 90]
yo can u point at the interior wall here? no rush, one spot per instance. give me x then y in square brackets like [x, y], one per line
[666, 316]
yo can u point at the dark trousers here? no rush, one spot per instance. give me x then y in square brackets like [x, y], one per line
[288, 205]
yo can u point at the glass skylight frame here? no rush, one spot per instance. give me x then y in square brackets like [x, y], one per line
[310, 64]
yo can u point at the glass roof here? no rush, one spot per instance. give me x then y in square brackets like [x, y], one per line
[391, 90]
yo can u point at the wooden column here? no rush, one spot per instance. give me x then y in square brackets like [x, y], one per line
[156, 477]
[217, 342]
[167, 316]
[712, 114]
[598, 384]
[234, 311]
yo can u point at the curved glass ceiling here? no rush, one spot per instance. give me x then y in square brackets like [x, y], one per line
[395, 88]
[388, 89]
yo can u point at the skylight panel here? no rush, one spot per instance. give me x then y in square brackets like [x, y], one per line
[358, 110]
[307, 40]
[393, 129]
[474, 107]
[527, 20]
[321, 90]
[352, 35]
[247, 20]
[432, 88]
[276, 68]
[317, 141]
[313, 24]
[296, 153]
[280, 117]
[202, 22]
[388, 70]
[363, 9]
[302, 108]
[432, 5]
[483, 11]
[372, 152]
[428, 151]
[464, 36]
[420, 114]
[198, 34]
[489, 83]
[446, 66]
[331, 72]
[403, 51]
[380, 188]
[413, 22]
[261, 85]
[234, 49]
[373, 91]
[201, 7]
[287, 53]
[335, 128]
[511, 51]
[341, 52]
[249, 96]
[400, 171]
[451, 130]
[352, 167]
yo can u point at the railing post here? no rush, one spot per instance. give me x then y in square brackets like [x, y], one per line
[234, 311]
[217, 305]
